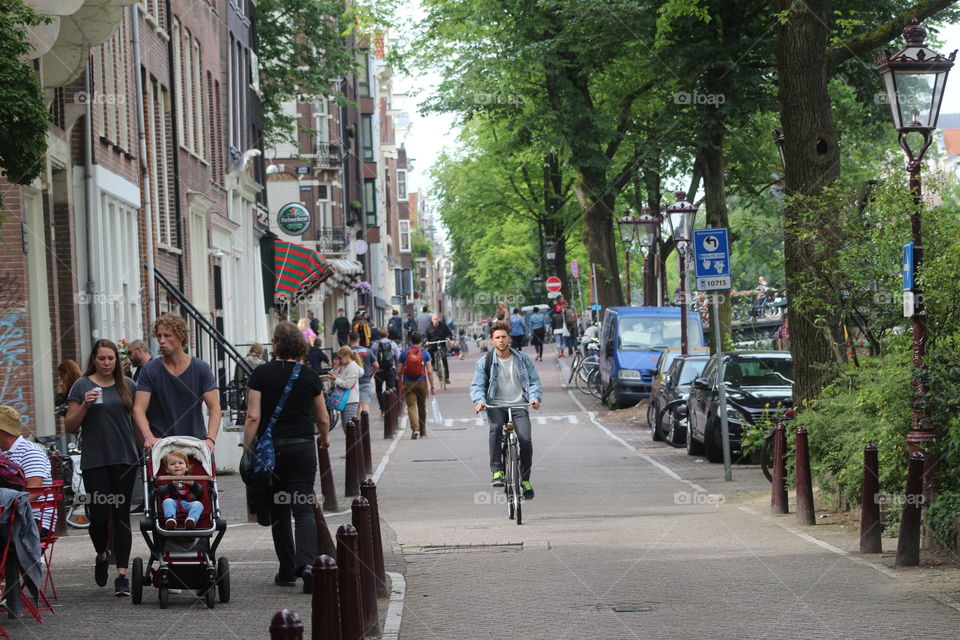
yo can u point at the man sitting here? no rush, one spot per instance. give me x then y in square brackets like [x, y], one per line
[31, 457]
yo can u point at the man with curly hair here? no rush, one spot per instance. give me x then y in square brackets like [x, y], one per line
[172, 389]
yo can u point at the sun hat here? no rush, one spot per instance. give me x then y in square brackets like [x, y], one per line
[10, 420]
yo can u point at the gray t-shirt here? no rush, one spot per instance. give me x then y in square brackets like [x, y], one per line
[176, 403]
[509, 389]
[107, 429]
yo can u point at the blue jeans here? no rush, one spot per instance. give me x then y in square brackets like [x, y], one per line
[521, 420]
[349, 412]
[193, 508]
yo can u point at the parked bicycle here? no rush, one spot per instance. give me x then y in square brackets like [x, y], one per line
[585, 369]
[74, 504]
[766, 450]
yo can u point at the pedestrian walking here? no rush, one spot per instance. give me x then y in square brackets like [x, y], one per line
[387, 353]
[370, 367]
[557, 326]
[416, 377]
[409, 326]
[347, 376]
[314, 323]
[570, 324]
[341, 327]
[172, 389]
[139, 355]
[302, 414]
[100, 405]
[309, 335]
[361, 326]
[395, 327]
[507, 376]
[518, 330]
[538, 330]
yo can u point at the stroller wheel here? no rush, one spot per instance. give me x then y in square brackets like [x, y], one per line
[210, 597]
[164, 596]
[223, 579]
[136, 582]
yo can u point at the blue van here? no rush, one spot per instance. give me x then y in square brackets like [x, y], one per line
[631, 340]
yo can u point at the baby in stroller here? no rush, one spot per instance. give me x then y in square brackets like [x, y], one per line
[178, 495]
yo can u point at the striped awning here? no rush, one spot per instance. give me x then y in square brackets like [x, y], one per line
[298, 270]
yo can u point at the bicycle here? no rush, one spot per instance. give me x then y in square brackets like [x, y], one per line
[510, 455]
[77, 510]
[766, 451]
[438, 361]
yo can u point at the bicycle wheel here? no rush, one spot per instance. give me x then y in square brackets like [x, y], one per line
[575, 368]
[515, 480]
[441, 373]
[507, 481]
[596, 387]
[583, 380]
[766, 456]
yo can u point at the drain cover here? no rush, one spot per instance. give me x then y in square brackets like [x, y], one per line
[632, 608]
[436, 460]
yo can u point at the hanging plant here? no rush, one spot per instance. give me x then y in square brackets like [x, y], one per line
[363, 287]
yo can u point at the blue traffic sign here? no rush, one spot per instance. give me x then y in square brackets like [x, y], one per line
[711, 255]
[907, 267]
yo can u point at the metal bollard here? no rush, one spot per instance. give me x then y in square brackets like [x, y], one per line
[805, 513]
[870, 527]
[908, 546]
[368, 577]
[779, 503]
[348, 584]
[286, 625]
[368, 489]
[325, 544]
[388, 413]
[327, 487]
[365, 444]
[351, 481]
[326, 601]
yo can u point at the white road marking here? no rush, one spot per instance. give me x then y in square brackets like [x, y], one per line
[398, 591]
[393, 445]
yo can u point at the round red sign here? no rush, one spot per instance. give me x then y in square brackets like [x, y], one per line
[553, 283]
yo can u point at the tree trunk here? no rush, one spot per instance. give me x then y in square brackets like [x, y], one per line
[713, 165]
[812, 163]
[597, 203]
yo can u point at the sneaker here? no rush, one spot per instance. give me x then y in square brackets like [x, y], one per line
[284, 583]
[415, 435]
[527, 490]
[190, 523]
[121, 586]
[497, 480]
[171, 523]
[101, 570]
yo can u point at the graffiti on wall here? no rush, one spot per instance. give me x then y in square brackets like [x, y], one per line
[9, 292]
[12, 349]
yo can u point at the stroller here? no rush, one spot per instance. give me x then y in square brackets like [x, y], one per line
[185, 558]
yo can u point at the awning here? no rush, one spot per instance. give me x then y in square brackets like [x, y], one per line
[298, 270]
[346, 274]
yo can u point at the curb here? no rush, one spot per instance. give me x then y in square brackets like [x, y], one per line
[398, 592]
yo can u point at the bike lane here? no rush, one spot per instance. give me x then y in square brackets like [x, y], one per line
[613, 546]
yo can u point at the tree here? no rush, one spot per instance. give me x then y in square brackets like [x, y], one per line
[24, 117]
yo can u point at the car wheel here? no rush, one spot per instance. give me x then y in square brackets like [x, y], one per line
[694, 448]
[711, 445]
[652, 420]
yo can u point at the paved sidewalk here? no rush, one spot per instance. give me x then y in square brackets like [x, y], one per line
[613, 547]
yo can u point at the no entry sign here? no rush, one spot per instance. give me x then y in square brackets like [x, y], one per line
[553, 283]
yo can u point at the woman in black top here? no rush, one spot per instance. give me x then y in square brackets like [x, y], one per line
[293, 439]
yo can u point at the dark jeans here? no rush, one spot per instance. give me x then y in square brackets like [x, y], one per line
[440, 352]
[342, 338]
[537, 340]
[293, 482]
[517, 342]
[521, 419]
[109, 491]
[385, 381]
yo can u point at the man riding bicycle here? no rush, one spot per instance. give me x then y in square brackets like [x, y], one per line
[508, 378]
[439, 331]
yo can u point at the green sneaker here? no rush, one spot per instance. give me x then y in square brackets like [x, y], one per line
[527, 490]
[497, 480]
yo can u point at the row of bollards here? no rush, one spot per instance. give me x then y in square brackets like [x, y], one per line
[871, 526]
[345, 590]
[392, 410]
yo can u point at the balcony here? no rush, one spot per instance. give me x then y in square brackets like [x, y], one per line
[329, 155]
[332, 240]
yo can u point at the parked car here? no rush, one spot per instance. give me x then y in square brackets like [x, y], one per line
[675, 386]
[632, 339]
[759, 386]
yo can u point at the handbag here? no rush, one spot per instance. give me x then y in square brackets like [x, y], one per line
[337, 400]
[264, 453]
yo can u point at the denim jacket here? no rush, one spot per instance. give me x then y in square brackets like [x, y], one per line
[484, 390]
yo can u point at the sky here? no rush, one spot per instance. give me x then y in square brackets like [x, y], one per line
[429, 134]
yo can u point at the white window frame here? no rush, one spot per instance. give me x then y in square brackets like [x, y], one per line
[404, 232]
[401, 185]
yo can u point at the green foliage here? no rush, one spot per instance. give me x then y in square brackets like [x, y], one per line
[865, 404]
[940, 517]
[24, 118]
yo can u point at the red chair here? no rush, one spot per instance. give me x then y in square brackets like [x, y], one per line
[8, 538]
[45, 502]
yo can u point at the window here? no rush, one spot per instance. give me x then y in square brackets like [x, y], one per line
[158, 153]
[254, 73]
[402, 185]
[370, 202]
[323, 206]
[366, 136]
[110, 90]
[404, 236]
[363, 73]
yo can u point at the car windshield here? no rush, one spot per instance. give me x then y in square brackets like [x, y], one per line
[655, 333]
[691, 371]
[759, 372]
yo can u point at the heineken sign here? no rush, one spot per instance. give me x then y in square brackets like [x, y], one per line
[293, 218]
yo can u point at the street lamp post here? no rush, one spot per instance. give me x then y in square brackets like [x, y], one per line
[550, 249]
[681, 216]
[913, 79]
[628, 233]
[648, 232]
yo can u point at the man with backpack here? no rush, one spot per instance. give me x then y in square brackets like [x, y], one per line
[416, 379]
[361, 326]
[570, 320]
[387, 353]
[394, 327]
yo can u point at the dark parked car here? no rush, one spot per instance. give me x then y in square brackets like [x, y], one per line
[674, 385]
[759, 386]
